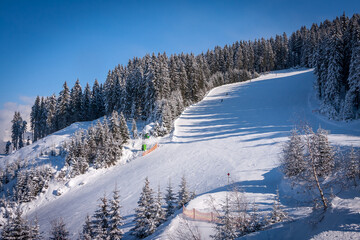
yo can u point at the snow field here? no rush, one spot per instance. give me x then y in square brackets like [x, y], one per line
[237, 129]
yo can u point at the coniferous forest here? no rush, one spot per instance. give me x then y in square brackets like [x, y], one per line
[159, 87]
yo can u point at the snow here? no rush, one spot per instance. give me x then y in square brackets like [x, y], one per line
[241, 135]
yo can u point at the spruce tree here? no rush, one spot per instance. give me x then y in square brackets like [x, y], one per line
[277, 214]
[63, 112]
[170, 200]
[101, 219]
[76, 102]
[183, 194]
[16, 227]
[145, 224]
[87, 232]
[124, 129]
[225, 229]
[293, 155]
[159, 212]
[115, 218]
[58, 230]
[353, 166]
[134, 129]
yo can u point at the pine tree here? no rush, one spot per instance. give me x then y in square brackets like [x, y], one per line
[35, 118]
[170, 200]
[115, 219]
[63, 112]
[124, 129]
[183, 194]
[277, 214]
[353, 168]
[7, 147]
[317, 162]
[322, 152]
[226, 229]
[16, 130]
[97, 101]
[58, 230]
[76, 102]
[159, 212]
[16, 227]
[87, 232]
[293, 162]
[101, 222]
[86, 111]
[145, 224]
[134, 129]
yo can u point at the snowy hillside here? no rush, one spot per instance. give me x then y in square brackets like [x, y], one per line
[237, 129]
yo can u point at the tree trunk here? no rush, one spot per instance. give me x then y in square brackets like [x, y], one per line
[318, 186]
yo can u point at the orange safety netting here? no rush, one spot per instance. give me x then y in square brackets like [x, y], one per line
[150, 150]
[196, 215]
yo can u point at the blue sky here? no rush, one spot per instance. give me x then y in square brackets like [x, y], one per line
[44, 43]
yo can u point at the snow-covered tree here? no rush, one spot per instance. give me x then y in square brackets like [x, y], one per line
[226, 228]
[17, 227]
[63, 113]
[115, 218]
[145, 223]
[134, 130]
[159, 211]
[170, 200]
[316, 163]
[353, 166]
[293, 162]
[183, 194]
[58, 230]
[277, 214]
[101, 219]
[124, 129]
[87, 232]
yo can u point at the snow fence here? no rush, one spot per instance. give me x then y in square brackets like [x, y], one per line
[150, 150]
[200, 216]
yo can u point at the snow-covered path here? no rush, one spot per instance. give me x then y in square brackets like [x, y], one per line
[237, 129]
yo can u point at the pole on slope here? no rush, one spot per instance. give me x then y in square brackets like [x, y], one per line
[228, 178]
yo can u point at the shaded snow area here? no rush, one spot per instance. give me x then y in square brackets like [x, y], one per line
[238, 129]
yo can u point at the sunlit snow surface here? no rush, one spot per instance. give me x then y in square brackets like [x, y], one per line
[238, 129]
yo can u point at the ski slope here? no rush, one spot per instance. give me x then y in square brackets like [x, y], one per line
[237, 129]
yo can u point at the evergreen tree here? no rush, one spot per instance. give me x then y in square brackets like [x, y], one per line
[170, 200]
[183, 194]
[159, 212]
[134, 129]
[226, 229]
[86, 111]
[277, 214]
[124, 129]
[145, 224]
[115, 218]
[63, 112]
[293, 155]
[16, 227]
[76, 102]
[58, 230]
[87, 232]
[7, 147]
[316, 163]
[17, 130]
[101, 222]
[353, 167]
[35, 118]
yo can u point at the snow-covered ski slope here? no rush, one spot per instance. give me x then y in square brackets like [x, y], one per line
[237, 129]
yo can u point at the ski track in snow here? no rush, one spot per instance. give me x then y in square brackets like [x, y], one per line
[237, 128]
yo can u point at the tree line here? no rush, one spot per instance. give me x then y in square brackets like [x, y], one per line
[159, 87]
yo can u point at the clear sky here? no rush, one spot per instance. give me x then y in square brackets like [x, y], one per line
[44, 43]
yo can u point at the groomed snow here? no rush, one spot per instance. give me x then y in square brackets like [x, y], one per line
[237, 129]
